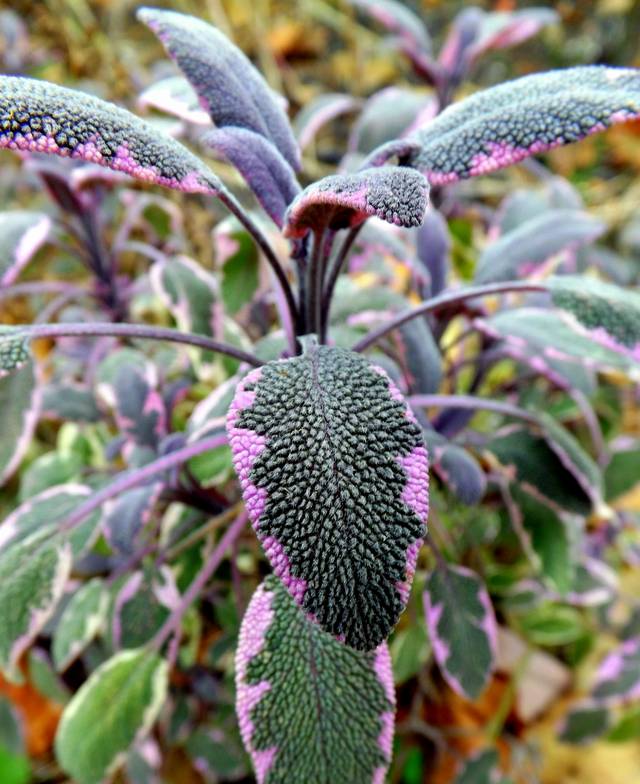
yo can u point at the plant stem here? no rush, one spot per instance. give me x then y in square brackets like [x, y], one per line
[471, 402]
[443, 301]
[138, 331]
[234, 206]
[172, 624]
[315, 275]
[334, 272]
[128, 480]
[34, 288]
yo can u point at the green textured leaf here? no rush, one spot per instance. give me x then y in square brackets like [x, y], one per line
[83, 618]
[43, 677]
[116, 706]
[33, 573]
[462, 628]
[240, 272]
[288, 673]
[622, 473]
[480, 769]
[410, 651]
[610, 314]
[14, 350]
[552, 625]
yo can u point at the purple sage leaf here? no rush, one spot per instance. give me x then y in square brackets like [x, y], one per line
[398, 19]
[42, 117]
[520, 253]
[433, 246]
[500, 30]
[231, 90]
[22, 233]
[618, 677]
[266, 172]
[462, 628]
[320, 111]
[334, 476]
[504, 124]
[346, 200]
[289, 671]
[128, 515]
[174, 95]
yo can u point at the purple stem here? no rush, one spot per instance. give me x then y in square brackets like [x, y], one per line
[138, 476]
[471, 402]
[334, 272]
[143, 331]
[444, 301]
[35, 288]
[234, 206]
[172, 624]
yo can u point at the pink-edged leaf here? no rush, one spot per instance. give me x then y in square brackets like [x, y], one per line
[42, 117]
[500, 30]
[289, 672]
[128, 515]
[342, 200]
[609, 314]
[22, 233]
[20, 400]
[334, 476]
[398, 19]
[320, 111]
[464, 31]
[230, 89]
[139, 408]
[266, 172]
[525, 250]
[174, 95]
[433, 246]
[462, 628]
[618, 677]
[385, 116]
[502, 125]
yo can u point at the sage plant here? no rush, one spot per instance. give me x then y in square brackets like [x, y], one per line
[327, 433]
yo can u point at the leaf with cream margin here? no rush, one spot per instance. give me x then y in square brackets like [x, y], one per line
[397, 18]
[81, 621]
[504, 124]
[289, 672]
[22, 233]
[37, 116]
[230, 89]
[33, 574]
[20, 399]
[113, 709]
[462, 628]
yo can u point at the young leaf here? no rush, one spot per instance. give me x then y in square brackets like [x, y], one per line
[266, 172]
[230, 88]
[399, 19]
[174, 95]
[116, 706]
[393, 194]
[42, 117]
[33, 573]
[462, 628]
[334, 476]
[288, 673]
[610, 315]
[83, 618]
[320, 111]
[499, 30]
[521, 252]
[19, 402]
[511, 121]
[22, 233]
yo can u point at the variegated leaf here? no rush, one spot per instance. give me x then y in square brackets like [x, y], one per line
[174, 95]
[14, 350]
[116, 706]
[333, 470]
[618, 677]
[289, 672]
[188, 291]
[82, 620]
[42, 117]
[609, 314]
[20, 399]
[462, 628]
[22, 233]
[128, 515]
[391, 193]
[504, 124]
[397, 18]
[33, 573]
[584, 723]
[230, 89]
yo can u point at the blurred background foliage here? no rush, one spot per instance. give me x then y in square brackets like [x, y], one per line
[307, 48]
